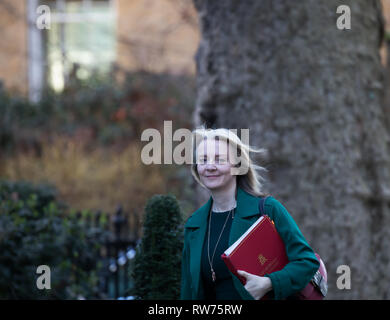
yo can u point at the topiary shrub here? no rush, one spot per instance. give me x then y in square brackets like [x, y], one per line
[157, 266]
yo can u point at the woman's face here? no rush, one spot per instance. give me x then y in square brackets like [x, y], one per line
[213, 164]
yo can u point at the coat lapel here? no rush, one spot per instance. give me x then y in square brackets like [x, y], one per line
[196, 226]
[246, 214]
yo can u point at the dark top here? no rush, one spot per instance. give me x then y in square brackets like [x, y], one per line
[223, 288]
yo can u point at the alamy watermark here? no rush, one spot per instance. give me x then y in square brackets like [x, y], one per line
[44, 280]
[344, 20]
[183, 153]
[344, 280]
[44, 18]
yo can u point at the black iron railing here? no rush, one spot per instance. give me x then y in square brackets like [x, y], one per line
[118, 253]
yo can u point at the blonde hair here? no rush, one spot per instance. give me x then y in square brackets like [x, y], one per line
[251, 181]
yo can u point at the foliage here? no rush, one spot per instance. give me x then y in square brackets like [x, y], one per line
[105, 109]
[158, 259]
[86, 139]
[86, 178]
[35, 229]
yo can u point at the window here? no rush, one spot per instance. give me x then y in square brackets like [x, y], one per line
[81, 39]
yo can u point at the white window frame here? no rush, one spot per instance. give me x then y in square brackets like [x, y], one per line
[36, 63]
[36, 56]
[73, 17]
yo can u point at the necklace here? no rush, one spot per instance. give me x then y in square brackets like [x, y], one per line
[231, 208]
[215, 248]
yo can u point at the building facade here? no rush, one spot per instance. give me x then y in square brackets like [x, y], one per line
[46, 42]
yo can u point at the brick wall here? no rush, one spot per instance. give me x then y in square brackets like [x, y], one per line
[13, 45]
[157, 36]
[386, 13]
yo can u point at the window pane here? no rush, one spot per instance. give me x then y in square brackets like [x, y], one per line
[82, 35]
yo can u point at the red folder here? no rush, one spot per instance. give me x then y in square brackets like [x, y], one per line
[260, 250]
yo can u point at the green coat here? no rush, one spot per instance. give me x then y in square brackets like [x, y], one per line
[292, 278]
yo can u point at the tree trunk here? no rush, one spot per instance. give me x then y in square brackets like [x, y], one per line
[313, 96]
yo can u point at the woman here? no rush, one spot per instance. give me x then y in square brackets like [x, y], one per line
[231, 209]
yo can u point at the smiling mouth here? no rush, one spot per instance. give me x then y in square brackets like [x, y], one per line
[212, 176]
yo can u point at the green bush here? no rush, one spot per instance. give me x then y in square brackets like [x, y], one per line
[158, 259]
[36, 230]
[112, 111]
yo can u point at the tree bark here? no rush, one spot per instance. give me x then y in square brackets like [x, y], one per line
[313, 96]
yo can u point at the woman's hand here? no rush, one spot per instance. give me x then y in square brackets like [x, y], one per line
[255, 285]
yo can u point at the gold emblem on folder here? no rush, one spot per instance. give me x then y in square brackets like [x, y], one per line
[262, 259]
